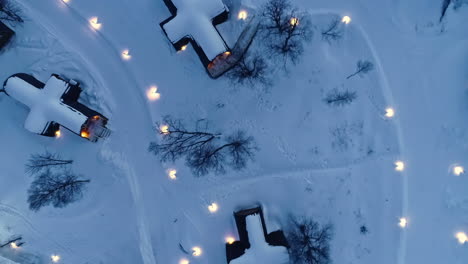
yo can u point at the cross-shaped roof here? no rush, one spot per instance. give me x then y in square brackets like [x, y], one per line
[194, 19]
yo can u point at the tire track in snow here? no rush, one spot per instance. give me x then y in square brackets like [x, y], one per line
[145, 246]
[12, 211]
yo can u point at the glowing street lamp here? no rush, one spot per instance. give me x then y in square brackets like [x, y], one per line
[153, 94]
[458, 170]
[462, 237]
[213, 208]
[242, 15]
[230, 240]
[184, 261]
[399, 166]
[55, 258]
[172, 174]
[184, 47]
[126, 55]
[58, 133]
[196, 251]
[389, 112]
[164, 129]
[66, 1]
[403, 222]
[346, 20]
[94, 22]
[13, 245]
[294, 21]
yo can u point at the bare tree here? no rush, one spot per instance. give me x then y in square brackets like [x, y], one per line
[45, 161]
[251, 69]
[204, 151]
[362, 67]
[56, 188]
[309, 242]
[285, 30]
[340, 98]
[333, 31]
[10, 12]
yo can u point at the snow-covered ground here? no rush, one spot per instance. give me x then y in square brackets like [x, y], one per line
[334, 164]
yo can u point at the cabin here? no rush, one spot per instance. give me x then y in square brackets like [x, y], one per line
[53, 105]
[194, 21]
[255, 244]
[6, 34]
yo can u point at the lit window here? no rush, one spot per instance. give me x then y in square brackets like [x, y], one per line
[230, 240]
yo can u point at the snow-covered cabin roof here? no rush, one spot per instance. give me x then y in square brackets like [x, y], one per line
[194, 20]
[45, 103]
[260, 251]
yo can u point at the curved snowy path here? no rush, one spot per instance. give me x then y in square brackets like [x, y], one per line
[132, 125]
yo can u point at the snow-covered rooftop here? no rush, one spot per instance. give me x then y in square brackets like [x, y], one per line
[194, 19]
[45, 104]
[260, 251]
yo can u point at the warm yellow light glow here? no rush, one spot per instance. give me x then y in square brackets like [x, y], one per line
[213, 208]
[196, 251]
[458, 170]
[403, 222]
[242, 15]
[126, 55]
[58, 133]
[389, 112]
[399, 166]
[84, 134]
[164, 129]
[94, 22]
[462, 237]
[153, 94]
[227, 53]
[55, 258]
[184, 261]
[66, 1]
[346, 20]
[13, 245]
[184, 47]
[230, 240]
[172, 174]
[294, 21]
